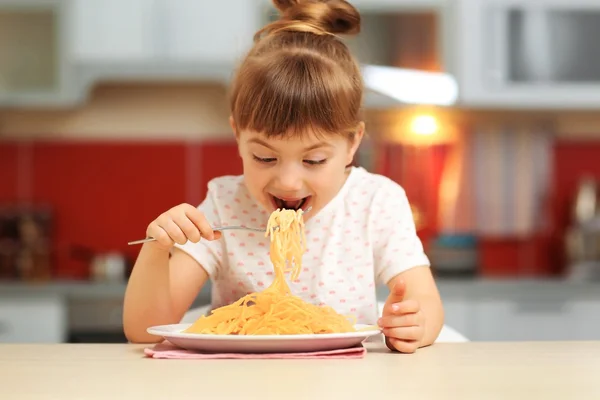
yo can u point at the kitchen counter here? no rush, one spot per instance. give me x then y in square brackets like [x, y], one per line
[481, 288]
[69, 289]
[518, 370]
[77, 290]
[481, 309]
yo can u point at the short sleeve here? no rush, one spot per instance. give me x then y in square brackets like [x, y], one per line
[396, 245]
[209, 254]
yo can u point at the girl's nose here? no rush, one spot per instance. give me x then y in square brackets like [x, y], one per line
[290, 179]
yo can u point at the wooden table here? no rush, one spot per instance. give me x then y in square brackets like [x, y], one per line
[482, 371]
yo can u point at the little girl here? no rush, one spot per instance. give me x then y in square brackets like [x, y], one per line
[295, 112]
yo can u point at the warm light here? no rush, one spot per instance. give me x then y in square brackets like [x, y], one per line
[424, 125]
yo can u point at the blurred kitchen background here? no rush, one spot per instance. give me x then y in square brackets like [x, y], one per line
[487, 112]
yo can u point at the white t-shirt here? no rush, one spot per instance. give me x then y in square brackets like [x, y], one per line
[362, 238]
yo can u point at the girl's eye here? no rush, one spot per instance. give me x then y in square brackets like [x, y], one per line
[315, 162]
[266, 160]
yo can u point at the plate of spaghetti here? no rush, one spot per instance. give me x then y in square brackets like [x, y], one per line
[272, 320]
[214, 343]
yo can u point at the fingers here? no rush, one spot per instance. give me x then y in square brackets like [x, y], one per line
[174, 231]
[199, 220]
[402, 346]
[403, 325]
[188, 228]
[403, 307]
[162, 237]
[180, 224]
[392, 321]
[402, 322]
[165, 231]
[410, 333]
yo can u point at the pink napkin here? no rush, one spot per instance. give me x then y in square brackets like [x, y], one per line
[166, 350]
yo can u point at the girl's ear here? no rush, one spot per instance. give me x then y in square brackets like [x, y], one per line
[358, 136]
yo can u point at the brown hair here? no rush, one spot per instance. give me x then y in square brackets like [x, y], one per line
[300, 74]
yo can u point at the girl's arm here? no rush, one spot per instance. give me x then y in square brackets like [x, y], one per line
[413, 315]
[160, 291]
[421, 315]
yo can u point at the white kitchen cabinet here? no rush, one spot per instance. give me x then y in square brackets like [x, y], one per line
[543, 319]
[34, 62]
[398, 5]
[96, 315]
[391, 5]
[535, 54]
[35, 319]
[587, 324]
[159, 36]
[458, 314]
[497, 310]
[160, 39]
[113, 30]
[209, 31]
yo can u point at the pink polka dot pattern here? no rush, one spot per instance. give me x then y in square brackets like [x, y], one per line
[362, 238]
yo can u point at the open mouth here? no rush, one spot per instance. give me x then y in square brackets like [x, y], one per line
[290, 204]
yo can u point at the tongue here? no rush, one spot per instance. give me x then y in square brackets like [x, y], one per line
[292, 204]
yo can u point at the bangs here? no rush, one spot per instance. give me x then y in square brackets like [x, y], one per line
[293, 92]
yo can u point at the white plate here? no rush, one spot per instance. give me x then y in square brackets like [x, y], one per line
[260, 343]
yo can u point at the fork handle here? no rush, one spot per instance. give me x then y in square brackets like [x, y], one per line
[151, 239]
[148, 239]
[216, 229]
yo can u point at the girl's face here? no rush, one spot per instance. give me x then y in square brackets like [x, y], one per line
[299, 172]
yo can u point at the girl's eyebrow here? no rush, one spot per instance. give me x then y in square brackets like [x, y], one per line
[318, 146]
[309, 148]
[262, 143]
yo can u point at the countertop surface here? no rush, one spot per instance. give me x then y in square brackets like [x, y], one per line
[508, 370]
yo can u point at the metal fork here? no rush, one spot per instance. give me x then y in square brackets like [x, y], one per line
[216, 228]
[219, 228]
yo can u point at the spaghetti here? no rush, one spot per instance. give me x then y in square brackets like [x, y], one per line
[275, 310]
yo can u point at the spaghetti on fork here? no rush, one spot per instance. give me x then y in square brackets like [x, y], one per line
[275, 310]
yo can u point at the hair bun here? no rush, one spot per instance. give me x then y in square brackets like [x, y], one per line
[330, 16]
[284, 5]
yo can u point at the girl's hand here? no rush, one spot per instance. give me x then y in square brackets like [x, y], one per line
[180, 224]
[402, 322]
